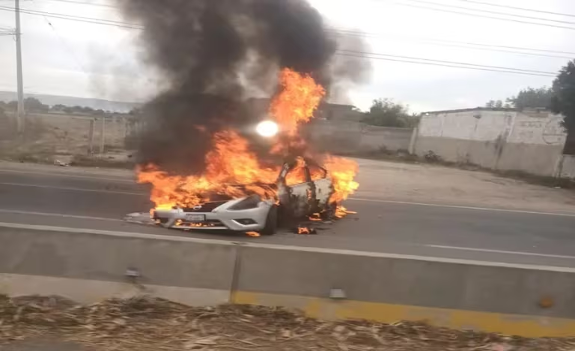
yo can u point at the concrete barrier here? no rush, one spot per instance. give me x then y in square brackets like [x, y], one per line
[88, 265]
[522, 300]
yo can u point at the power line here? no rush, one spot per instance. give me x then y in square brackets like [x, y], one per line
[85, 3]
[485, 16]
[467, 45]
[447, 62]
[63, 42]
[442, 65]
[133, 26]
[75, 18]
[491, 12]
[518, 8]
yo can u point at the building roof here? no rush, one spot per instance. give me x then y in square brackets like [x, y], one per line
[470, 109]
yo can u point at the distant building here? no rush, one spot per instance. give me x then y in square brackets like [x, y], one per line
[327, 111]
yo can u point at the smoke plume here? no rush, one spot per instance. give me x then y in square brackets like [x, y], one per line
[214, 53]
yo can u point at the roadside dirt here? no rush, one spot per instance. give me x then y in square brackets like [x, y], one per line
[424, 183]
[147, 323]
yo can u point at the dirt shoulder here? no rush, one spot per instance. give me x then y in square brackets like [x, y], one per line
[425, 183]
[147, 323]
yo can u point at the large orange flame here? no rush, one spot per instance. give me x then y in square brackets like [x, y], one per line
[299, 98]
[231, 163]
[342, 172]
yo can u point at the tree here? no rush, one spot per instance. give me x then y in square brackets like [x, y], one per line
[34, 105]
[12, 105]
[531, 98]
[563, 100]
[58, 107]
[385, 112]
[497, 104]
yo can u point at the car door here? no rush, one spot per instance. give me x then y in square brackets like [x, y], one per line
[296, 190]
[322, 184]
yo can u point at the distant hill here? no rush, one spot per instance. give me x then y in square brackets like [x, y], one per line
[116, 106]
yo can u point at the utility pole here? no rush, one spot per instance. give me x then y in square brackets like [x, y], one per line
[20, 112]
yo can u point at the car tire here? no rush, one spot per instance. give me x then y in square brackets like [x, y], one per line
[330, 211]
[271, 222]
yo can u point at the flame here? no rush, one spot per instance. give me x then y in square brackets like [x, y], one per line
[234, 170]
[230, 163]
[297, 101]
[253, 234]
[342, 172]
[303, 231]
[297, 174]
[315, 217]
[341, 211]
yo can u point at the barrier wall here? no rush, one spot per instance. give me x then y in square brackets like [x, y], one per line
[357, 137]
[102, 259]
[88, 265]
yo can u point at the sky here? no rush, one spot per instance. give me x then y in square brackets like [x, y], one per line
[72, 58]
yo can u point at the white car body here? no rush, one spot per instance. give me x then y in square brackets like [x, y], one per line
[219, 218]
[252, 213]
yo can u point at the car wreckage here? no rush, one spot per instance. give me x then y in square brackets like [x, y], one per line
[303, 189]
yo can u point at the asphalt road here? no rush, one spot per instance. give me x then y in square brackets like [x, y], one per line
[97, 200]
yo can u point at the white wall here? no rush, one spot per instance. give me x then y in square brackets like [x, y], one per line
[473, 125]
[532, 128]
[529, 141]
[567, 168]
[355, 137]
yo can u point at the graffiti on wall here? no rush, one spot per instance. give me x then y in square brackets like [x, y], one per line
[536, 130]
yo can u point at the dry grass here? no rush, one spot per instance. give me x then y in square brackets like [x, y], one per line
[53, 134]
[147, 323]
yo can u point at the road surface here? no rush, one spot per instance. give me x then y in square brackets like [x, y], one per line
[75, 198]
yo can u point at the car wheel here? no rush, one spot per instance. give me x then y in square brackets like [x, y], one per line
[329, 212]
[165, 222]
[271, 222]
[161, 221]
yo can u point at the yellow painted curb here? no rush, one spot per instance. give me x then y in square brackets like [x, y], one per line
[509, 324]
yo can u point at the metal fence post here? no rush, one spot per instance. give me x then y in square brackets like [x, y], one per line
[91, 136]
[103, 135]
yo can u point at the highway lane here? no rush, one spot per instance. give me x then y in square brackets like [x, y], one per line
[66, 198]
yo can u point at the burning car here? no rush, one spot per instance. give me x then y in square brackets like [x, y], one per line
[240, 189]
[303, 188]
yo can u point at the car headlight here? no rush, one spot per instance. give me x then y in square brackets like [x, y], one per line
[247, 203]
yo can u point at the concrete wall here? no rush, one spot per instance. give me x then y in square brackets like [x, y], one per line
[88, 265]
[529, 141]
[355, 137]
[567, 167]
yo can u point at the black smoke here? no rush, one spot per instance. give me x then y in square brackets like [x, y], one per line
[213, 53]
